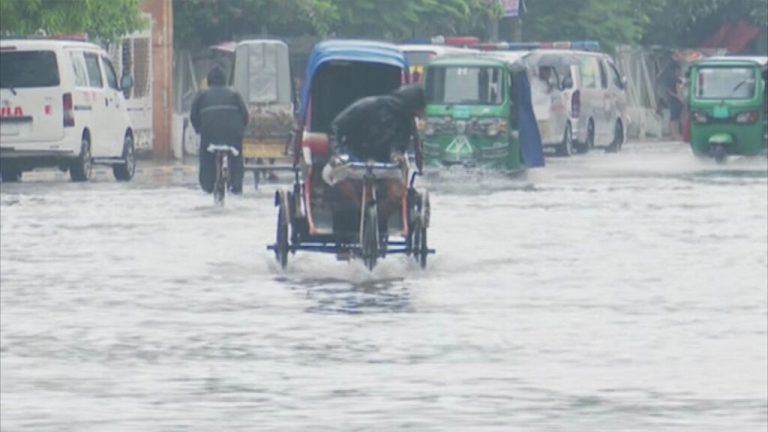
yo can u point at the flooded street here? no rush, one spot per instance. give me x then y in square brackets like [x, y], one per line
[604, 292]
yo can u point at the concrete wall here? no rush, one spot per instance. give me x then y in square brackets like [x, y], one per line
[162, 71]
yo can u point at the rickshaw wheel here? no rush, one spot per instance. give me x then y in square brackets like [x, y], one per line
[281, 241]
[419, 245]
[370, 240]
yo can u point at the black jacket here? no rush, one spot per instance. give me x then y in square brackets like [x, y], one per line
[219, 115]
[375, 126]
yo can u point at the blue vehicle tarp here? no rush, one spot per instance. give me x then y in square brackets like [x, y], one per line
[530, 138]
[348, 50]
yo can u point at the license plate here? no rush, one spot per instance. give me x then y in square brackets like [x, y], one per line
[720, 112]
[9, 129]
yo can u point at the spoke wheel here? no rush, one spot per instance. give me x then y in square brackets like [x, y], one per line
[220, 187]
[370, 240]
[418, 244]
[281, 240]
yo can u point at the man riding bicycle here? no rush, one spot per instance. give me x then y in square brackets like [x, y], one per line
[220, 116]
[378, 128]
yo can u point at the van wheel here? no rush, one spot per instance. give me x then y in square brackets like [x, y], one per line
[618, 139]
[589, 144]
[566, 148]
[81, 168]
[125, 170]
[9, 173]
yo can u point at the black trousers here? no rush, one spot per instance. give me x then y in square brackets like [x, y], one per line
[207, 171]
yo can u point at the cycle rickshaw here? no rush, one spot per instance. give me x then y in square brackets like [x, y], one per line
[314, 216]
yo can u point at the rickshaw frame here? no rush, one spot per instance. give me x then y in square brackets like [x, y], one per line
[295, 229]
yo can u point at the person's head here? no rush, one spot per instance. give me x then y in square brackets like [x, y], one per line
[216, 77]
[413, 98]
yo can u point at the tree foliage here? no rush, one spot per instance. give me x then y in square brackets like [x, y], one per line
[204, 22]
[105, 19]
[612, 22]
[691, 22]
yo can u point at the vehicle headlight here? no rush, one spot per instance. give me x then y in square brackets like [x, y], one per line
[747, 117]
[496, 127]
[461, 126]
[699, 117]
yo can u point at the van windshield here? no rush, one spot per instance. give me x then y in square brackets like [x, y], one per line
[22, 69]
[726, 83]
[465, 85]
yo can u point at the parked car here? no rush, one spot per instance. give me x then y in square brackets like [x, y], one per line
[61, 105]
[587, 96]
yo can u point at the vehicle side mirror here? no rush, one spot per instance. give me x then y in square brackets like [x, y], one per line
[624, 82]
[126, 83]
[567, 82]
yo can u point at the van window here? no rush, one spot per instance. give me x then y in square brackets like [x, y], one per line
[603, 76]
[588, 71]
[109, 71]
[94, 73]
[616, 76]
[78, 68]
[22, 69]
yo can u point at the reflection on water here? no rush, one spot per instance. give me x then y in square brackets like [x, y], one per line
[603, 292]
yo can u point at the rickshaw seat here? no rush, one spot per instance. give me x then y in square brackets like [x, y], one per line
[317, 142]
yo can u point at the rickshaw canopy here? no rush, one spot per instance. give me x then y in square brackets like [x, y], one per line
[352, 51]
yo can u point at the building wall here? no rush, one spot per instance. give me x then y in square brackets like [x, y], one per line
[162, 71]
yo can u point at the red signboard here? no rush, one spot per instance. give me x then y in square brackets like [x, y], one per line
[511, 8]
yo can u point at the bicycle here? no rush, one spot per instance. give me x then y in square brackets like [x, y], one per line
[220, 186]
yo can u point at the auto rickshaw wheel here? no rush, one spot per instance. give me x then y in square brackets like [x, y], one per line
[719, 153]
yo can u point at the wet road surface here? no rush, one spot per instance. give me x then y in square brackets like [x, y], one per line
[604, 292]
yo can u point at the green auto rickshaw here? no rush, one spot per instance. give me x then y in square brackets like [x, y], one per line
[479, 113]
[728, 111]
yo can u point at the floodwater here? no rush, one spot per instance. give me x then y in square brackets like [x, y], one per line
[603, 293]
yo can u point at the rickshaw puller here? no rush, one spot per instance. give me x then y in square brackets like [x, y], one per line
[378, 128]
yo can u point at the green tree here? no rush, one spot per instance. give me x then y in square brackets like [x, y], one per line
[692, 22]
[205, 22]
[200, 23]
[105, 19]
[610, 22]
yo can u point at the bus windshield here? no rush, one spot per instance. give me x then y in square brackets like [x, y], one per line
[726, 83]
[465, 85]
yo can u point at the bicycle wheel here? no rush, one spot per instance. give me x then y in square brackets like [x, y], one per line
[219, 187]
[370, 240]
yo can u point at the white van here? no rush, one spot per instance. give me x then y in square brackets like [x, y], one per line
[61, 105]
[589, 108]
